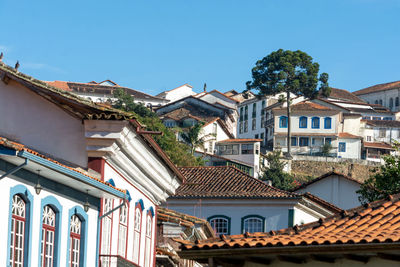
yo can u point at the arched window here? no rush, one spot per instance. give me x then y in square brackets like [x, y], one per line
[253, 223]
[17, 241]
[380, 102]
[315, 123]
[220, 224]
[328, 123]
[303, 122]
[139, 207]
[48, 236]
[397, 101]
[391, 103]
[123, 231]
[106, 226]
[376, 102]
[283, 122]
[149, 235]
[75, 241]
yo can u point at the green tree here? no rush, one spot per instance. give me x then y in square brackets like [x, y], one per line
[286, 71]
[193, 137]
[385, 181]
[179, 153]
[326, 149]
[275, 173]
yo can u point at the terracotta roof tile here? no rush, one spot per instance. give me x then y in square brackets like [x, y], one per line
[378, 88]
[378, 222]
[378, 145]
[349, 135]
[345, 95]
[225, 182]
[20, 147]
[240, 140]
[324, 176]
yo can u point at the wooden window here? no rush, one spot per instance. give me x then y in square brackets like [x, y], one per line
[253, 223]
[303, 122]
[342, 147]
[106, 233]
[48, 236]
[283, 122]
[18, 223]
[315, 123]
[328, 123]
[220, 224]
[123, 231]
[75, 241]
[137, 233]
[149, 233]
[247, 148]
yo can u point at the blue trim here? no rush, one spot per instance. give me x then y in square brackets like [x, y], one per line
[77, 210]
[56, 206]
[223, 217]
[151, 210]
[28, 198]
[128, 195]
[301, 119]
[7, 151]
[111, 182]
[283, 122]
[64, 170]
[342, 146]
[252, 216]
[293, 141]
[290, 217]
[315, 121]
[326, 121]
[140, 202]
[98, 242]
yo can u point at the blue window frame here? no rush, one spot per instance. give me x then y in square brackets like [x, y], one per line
[253, 223]
[342, 147]
[303, 141]
[283, 122]
[328, 123]
[293, 141]
[82, 215]
[328, 140]
[221, 224]
[315, 123]
[303, 122]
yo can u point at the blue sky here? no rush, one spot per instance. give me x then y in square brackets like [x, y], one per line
[160, 44]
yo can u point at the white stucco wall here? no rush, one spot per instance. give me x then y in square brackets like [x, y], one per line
[180, 92]
[66, 203]
[214, 97]
[337, 190]
[352, 125]
[353, 148]
[41, 125]
[384, 96]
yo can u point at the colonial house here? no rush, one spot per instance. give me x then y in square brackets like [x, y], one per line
[313, 125]
[217, 98]
[177, 93]
[90, 141]
[385, 94]
[103, 92]
[234, 202]
[364, 236]
[335, 188]
[199, 108]
[173, 225]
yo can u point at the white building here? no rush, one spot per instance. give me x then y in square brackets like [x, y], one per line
[385, 94]
[84, 138]
[103, 92]
[177, 93]
[335, 188]
[313, 125]
[235, 203]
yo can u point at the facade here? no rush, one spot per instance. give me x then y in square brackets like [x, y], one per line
[335, 188]
[364, 236]
[87, 138]
[386, 94]
[177, 93]
[234, 203]
[313, 125]
[219, 99]
[102, 92]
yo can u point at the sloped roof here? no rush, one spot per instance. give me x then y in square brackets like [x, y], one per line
[100, 88]
[189, 110]
[306, 106]
[326, 175]
[378, 88]
[225, 182]
[379, 145]
[241, 140]
[383, 123]
[377, 222]
[349, 136]
[342, 94]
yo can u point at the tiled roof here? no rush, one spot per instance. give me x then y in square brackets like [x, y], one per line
[165, 92]
[306, 106]
[377, 222]
[378, 88]
[189, 110]
[380, 145]
[99, 88]
[349, 135]
[218, 92]
[383, 123]
[345, 95]
[240, 140]
[326, 175]
[225, 182]
[20, 147]
[167, 215]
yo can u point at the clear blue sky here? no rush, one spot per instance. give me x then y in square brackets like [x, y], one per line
[157, 45]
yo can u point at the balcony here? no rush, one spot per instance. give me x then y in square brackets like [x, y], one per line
[115, 261]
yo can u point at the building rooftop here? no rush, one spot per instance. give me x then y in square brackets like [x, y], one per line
[324, 176]
[378, 88]
[341, 94]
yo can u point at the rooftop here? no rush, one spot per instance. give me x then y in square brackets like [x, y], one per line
[378, 88]
[383, 123]
[344, 95]
[324, 176]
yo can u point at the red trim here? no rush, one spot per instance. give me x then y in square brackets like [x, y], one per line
[127, 230]
[137, 206]
[97, 164]
[154, 236]
[129, 182]
[47, 228]
[18, 218]
[147, 237]
[74, 236]
[101, 225]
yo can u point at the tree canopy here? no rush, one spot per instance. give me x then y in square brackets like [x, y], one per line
[384, 182]
[285, 71]
[275, 173]
[193, 137]
[179, 153]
